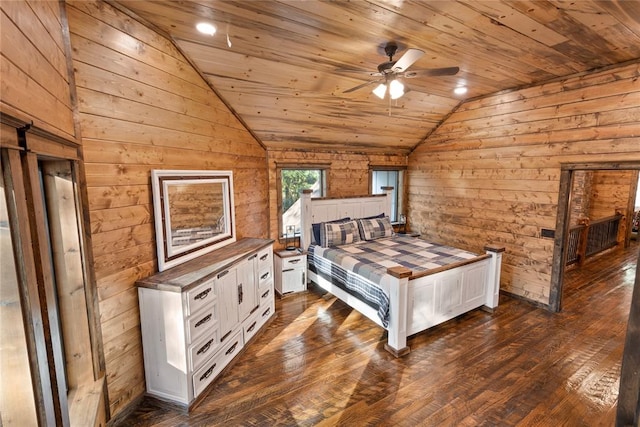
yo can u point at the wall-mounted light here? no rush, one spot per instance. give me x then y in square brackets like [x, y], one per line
[206, 28]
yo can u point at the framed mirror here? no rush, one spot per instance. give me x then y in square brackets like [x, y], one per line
[194, 213]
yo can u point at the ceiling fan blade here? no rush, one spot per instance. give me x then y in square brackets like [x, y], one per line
[362, 85]
[449, 71]
[347, 70]
[409, 57]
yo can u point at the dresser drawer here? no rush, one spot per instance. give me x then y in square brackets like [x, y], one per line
[265, 293]
[294, 262]
[265, 266]
[265, 277]
[202, 322]
[203, 349]
[251, 325]
[265, 259]
[266, 311]
[203, 377]
[262, 314]
[199, 297]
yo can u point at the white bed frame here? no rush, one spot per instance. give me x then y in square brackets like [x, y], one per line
[417, 302]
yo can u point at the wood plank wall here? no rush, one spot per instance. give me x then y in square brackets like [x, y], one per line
[610, 192]
[143, 107]
[347, 176]
[490, 173]
[35, 79]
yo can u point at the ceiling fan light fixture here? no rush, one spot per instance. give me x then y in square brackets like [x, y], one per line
[396, 89]
[380, 90]
[460, 90]
[206, 28]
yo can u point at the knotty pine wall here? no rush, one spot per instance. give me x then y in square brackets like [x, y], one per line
[143, 107]
[35, 78]
[348, 174]
[490, 173]
[610, 191]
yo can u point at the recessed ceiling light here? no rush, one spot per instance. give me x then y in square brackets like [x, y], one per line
[460, 90]
[206, 28]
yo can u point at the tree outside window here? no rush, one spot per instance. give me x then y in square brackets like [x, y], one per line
[292, 182]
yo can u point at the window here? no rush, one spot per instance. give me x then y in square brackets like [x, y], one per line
[383, 177]
[292, 180]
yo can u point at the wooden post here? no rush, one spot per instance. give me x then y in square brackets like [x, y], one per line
[493, 275]
[582, 241]
[561, 241]
[305, 219]
[397, 329]
[388, 202]
[622, 226]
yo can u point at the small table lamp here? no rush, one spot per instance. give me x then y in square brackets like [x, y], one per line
[291, 233]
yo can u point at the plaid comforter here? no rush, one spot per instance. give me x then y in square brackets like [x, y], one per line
[361, 266]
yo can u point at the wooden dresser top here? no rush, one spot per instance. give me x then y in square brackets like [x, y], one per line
[193, 272]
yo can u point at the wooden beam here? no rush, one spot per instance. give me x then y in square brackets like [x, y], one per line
[560, 243]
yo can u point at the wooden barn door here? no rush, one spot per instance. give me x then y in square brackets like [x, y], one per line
[45, 287]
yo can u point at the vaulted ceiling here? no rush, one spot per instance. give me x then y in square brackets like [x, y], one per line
[283, 66]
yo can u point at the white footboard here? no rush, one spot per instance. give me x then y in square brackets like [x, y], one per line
[419, 303]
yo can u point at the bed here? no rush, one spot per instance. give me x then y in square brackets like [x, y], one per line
[399, 294]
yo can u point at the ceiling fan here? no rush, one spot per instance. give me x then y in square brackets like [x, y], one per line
[389, 72]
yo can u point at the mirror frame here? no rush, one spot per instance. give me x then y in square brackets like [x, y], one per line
[161, 180]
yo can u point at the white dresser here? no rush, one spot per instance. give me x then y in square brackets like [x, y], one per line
[197, 316]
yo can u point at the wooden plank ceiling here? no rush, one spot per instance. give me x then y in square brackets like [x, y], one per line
[282, 66]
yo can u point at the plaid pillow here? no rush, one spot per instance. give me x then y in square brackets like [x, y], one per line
[375, 228]
[336, 234]
[316, 228]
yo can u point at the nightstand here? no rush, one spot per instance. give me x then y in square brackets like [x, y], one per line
[290, 271]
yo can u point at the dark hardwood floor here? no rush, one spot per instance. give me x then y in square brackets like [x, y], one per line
[321, 363]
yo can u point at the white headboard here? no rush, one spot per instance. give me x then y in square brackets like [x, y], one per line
[327, 209]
